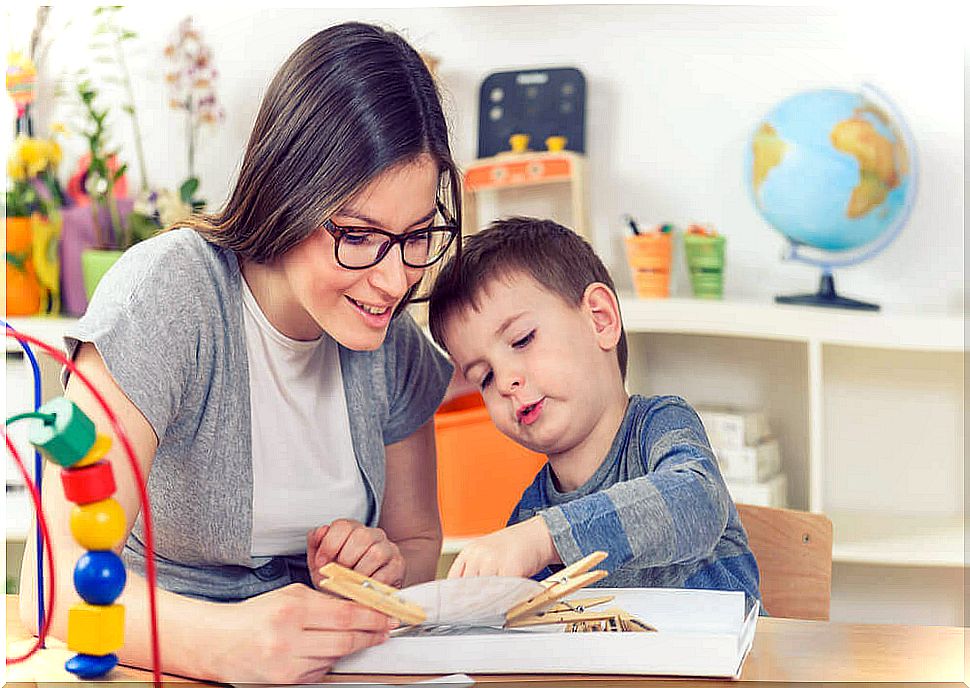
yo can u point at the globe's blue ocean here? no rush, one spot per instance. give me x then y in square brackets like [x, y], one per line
[806, 195]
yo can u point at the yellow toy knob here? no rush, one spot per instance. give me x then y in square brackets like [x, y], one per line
[99, 525]
[519, 143]
[102, 443]
[556, 144]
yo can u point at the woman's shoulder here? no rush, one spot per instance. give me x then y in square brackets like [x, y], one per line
[181, 252]
[175, 265]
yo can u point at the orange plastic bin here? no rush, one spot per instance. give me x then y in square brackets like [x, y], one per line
[481, 472]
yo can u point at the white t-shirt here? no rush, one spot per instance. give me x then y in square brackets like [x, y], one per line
[301, 441]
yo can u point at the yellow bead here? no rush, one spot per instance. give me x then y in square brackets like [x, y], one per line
[102, 443]
[99, 525]
[94, 629]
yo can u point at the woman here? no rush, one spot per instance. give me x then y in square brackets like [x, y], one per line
[275, 393]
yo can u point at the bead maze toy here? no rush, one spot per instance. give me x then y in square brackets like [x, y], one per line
[67, 437]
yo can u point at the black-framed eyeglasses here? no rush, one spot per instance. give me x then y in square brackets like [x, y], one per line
[357, 248]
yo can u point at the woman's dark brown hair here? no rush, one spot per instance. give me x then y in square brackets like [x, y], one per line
[352, 102]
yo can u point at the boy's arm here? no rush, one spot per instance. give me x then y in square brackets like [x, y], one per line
[674, 514]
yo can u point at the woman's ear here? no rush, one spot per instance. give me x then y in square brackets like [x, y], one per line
[600, 303]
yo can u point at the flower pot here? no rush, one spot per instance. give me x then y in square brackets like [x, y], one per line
[94, 263]
[23, 290]
[77, 235]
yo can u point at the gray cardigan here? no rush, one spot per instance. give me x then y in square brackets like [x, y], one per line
[167, 320]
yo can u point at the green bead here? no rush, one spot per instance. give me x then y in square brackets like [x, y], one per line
[69, 438]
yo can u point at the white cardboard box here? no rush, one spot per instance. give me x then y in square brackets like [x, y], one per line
[699, 633]
[732, 429]
[772, 492]
[750, 464]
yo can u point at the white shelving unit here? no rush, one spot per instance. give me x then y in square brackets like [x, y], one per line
[868, 409]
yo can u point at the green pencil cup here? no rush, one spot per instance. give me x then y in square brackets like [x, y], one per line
[705, 263]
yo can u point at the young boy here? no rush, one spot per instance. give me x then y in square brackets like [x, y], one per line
[529, 314]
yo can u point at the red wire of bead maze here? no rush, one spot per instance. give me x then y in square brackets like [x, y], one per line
[142, 496]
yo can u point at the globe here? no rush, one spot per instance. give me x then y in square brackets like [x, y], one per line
[834, 171]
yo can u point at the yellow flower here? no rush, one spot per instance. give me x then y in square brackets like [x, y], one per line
[29, 156]
[15, 170]
[53, 152]
[33, 155]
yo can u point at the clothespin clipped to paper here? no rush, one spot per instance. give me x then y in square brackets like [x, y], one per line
[370, 593]
[558, 585]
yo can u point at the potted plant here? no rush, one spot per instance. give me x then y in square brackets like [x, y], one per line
[98, 182]
[32, 196]
[191, 81]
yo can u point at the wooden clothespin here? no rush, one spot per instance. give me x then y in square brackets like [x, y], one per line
[370, 593]
[612, 619]
[558, 585]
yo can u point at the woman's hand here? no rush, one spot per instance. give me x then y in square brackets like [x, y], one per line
[292, 635]
[368, 551]
[520, 550]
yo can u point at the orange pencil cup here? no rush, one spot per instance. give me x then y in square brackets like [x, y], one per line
[649, 258]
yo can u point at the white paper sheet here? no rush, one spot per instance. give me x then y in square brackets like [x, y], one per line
[471, 601]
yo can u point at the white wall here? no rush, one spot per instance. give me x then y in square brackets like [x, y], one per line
[673, 94]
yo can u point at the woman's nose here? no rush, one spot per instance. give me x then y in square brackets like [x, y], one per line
[390, 276]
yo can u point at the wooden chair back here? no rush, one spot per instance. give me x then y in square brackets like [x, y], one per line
[794, 554]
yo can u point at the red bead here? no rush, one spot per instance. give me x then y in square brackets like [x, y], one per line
[89, 484]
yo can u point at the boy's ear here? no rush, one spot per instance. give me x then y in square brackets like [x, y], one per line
[600, 303]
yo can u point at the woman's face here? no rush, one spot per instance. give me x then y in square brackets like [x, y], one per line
[355, 306]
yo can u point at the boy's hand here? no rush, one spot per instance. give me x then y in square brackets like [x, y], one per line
[519, 550]
[352, 544]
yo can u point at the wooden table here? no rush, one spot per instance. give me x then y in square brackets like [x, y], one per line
[784, 650]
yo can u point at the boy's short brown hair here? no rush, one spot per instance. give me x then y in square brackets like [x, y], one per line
[557, 258]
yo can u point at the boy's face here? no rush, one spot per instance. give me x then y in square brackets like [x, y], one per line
[545, 368]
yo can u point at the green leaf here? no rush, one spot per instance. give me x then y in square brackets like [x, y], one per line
[120, 171]
[127, 35]
[188, 189]
[130, 109]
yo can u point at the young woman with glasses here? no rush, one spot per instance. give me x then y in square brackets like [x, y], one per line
[277, 395]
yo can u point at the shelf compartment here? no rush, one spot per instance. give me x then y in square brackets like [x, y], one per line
[898, 539]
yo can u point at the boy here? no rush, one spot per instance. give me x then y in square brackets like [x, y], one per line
[529, 314]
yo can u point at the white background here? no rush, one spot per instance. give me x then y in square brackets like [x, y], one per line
[674, 92]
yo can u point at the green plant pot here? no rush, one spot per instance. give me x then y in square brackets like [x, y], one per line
[94, 263]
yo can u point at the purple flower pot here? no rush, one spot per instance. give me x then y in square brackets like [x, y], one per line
[77, 234]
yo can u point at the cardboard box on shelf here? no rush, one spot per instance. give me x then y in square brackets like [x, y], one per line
[772, 492]
[750, 464]
[729, 428]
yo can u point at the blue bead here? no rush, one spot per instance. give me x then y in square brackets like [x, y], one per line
[99, 577]
[91, 666]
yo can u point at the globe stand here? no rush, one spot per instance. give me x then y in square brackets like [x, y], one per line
[826, 297]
